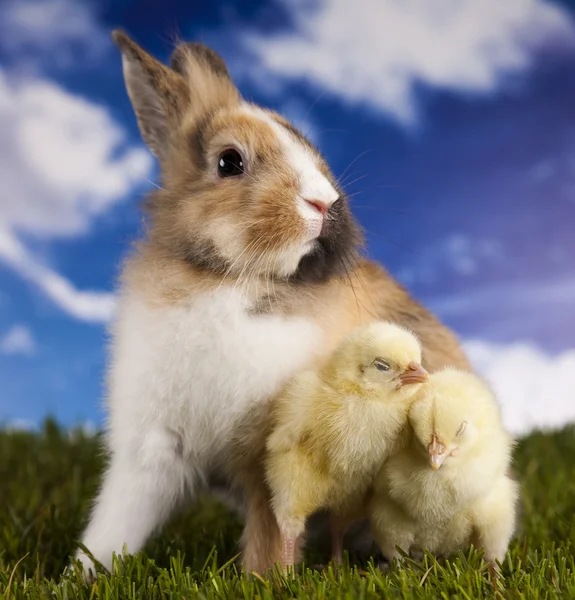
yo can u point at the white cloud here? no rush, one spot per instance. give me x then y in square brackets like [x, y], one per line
[89, 306]
[64, 160]
[535, 389]
[85, 429]
[544, 296]
[20, 425]
[62, 31]
[376, 51]
[18, 340]
[457, 253]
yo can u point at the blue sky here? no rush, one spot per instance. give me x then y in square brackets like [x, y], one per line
[451, 124]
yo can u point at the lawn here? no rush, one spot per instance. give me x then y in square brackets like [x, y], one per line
[47, 480]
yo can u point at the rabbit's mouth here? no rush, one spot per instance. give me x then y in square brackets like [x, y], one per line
[286, 262]
[309, 246]
[315, 230]
[313, 217]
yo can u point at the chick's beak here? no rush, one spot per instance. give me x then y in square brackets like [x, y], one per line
[414, 373]
[436, 453]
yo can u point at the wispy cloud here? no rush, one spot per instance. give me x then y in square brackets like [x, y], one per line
[534, 388]
[57, 31]
[20, 425]
[89, 306]
[376, 52]
[85, 429]
[18, 340]
[456, 254]
[64, 160]
[539, 310]
[545, 295]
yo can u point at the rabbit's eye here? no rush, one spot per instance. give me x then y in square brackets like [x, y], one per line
[230, 163]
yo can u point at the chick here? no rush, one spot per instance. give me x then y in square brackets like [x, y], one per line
[332, 427]
[449, 486]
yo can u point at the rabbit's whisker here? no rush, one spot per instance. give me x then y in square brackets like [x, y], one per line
[352, 163]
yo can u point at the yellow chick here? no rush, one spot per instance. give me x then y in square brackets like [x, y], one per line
[333, 427]
[449, 486]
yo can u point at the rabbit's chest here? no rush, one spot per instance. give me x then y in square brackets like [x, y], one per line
[208, 363]
[237, 354]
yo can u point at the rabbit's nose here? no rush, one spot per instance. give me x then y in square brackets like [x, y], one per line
[319, 205]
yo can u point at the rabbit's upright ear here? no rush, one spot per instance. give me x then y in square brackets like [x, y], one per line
[159, 95]
[209, 84]
[198, 82]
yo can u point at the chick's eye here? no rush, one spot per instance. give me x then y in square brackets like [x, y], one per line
[382, 365]
[230, 163]
[461, 429]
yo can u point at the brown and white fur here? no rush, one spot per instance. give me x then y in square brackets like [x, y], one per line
[240, 282]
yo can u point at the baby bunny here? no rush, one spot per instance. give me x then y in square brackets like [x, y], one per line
[249, 271]
[334, 426]
[449, 487]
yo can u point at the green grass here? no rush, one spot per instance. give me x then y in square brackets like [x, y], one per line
[47, 480]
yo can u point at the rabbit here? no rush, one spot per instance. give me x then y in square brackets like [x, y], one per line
[249, 271]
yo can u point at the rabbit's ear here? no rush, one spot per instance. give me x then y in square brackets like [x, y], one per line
[158, 94]
[188, 53]
[205, 72]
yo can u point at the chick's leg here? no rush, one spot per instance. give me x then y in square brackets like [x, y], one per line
[298, 490]
[339, 524]
[291, 531]
[291, 523]
[354, 509]
[337, 529]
